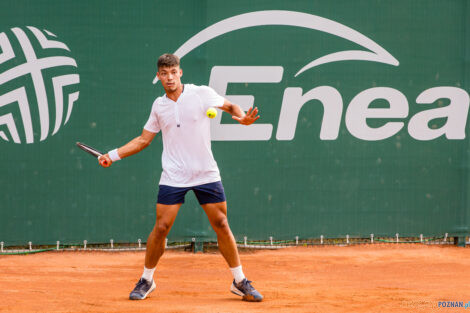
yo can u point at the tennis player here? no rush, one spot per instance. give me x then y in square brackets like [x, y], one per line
[188, 164]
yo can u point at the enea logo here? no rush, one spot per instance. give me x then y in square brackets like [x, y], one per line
[38, 84]
[358, 110]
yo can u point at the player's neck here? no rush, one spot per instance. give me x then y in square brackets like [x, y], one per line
[174, 95]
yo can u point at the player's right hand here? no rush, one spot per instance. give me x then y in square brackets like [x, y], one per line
[105, 161]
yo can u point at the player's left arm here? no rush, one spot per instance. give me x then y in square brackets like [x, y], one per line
[237, 113]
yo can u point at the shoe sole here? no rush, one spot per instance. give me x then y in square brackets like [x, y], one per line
[248, 298]
[147, 293]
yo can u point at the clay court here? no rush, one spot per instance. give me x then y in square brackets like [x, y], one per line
[365, 278]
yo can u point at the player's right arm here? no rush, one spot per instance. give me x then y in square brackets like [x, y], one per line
[132, 147]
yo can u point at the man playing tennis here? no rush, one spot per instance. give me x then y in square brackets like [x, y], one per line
[188, 164]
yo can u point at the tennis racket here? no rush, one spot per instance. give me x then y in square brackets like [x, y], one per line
[93, 152]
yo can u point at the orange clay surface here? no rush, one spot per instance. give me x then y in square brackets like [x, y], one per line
[366, 278]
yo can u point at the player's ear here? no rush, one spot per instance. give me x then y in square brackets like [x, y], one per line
[158, 74]
[181, 72]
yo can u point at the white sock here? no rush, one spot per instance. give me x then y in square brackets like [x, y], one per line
[148, 273]
[237, 273]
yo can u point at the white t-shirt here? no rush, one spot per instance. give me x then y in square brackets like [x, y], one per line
[187, 158]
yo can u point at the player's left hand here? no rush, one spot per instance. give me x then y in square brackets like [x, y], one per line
[249, 118]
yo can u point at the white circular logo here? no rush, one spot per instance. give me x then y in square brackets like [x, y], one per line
[38, 84]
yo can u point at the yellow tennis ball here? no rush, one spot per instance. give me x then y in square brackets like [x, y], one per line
[211, 113]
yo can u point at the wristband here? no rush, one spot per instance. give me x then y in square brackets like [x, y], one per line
[113, 155]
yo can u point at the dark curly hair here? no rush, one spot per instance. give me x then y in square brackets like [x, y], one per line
[168, 60]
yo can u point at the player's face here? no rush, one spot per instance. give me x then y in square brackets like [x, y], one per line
[170, 77]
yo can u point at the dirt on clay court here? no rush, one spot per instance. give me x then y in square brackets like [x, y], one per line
[362, 278]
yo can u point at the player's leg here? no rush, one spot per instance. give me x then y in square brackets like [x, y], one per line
[169, 201]
[217, 215]
[212, 199]
[166, 215]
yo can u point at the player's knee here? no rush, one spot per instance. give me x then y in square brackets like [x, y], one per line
[162, 228]
[221, 225]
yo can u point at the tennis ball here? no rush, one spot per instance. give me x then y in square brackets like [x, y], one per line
[211, 113]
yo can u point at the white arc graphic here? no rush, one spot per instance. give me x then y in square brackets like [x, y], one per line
[375, 52]
[10, 123]
[5, 47]
[19, 96]
[47, 43]
[60, 82]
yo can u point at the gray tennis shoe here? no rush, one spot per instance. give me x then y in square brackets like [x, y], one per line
[142, 289]
[246, 291]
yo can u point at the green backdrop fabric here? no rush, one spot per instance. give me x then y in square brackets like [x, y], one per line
[370, 138]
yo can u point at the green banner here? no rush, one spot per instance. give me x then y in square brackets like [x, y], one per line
[363, 128]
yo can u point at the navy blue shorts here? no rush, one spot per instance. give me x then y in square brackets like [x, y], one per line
[207, 193]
